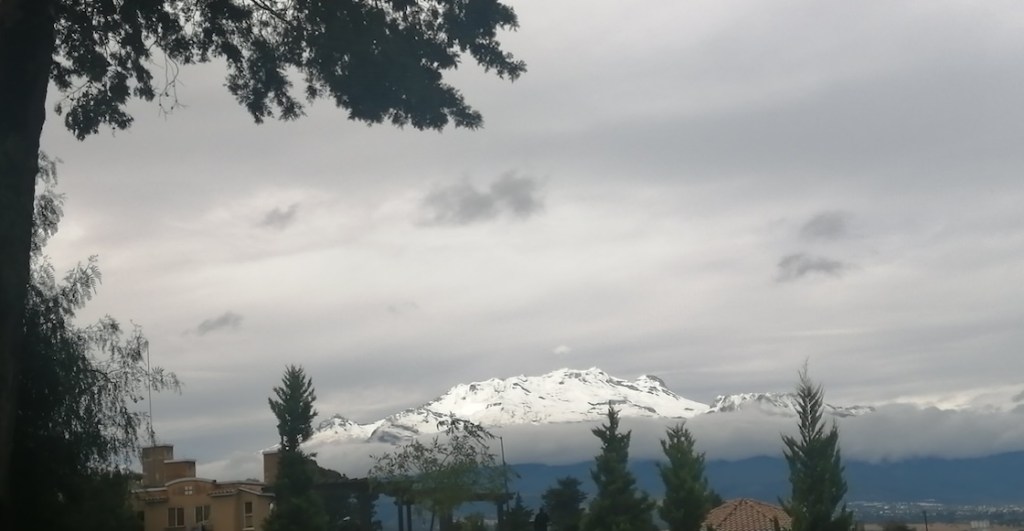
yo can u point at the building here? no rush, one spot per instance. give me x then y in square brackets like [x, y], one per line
[171, 497]
[746, 515]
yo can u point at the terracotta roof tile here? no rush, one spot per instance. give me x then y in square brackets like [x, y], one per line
[746, 515]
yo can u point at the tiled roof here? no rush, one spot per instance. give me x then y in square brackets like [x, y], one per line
[746, 515]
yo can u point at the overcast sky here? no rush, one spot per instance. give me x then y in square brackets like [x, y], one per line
[708, 191]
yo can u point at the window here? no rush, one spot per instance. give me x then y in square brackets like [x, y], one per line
[202, 513]
[175, 517]
[247, 516]
[188, 490]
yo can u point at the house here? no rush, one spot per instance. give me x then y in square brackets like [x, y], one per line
[746, 515]
[172, 498]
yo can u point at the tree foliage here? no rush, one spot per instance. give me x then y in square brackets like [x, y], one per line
[519, 517]
[441, 474]
[688, 498]
[293, 408]
[815, 466]
[618, 505]
[380, 60]
[563, 502]
[78, 421]
[297, 506]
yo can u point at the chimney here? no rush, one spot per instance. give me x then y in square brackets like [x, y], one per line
[271, 460]
[153, 457]
[179, 468]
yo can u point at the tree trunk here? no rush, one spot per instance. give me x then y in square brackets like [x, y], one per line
[26, 54]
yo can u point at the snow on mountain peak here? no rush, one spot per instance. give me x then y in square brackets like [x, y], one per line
[563, 395]
[784, 404]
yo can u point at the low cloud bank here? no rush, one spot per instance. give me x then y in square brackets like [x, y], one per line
[891, 433]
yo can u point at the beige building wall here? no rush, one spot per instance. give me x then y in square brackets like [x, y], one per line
[196, 501]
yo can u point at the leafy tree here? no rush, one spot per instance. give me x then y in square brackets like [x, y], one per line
[519, 517]
[445, 472]
[815, 467]
[77, 426]
[381, 60]
[297, 506]
[687, 495]
[617, 506]
[563, 502]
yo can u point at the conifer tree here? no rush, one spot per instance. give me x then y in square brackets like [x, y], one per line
[617, 506]
[519, 517]
[563, 504]
[687, 495]
[296, 506]
[815, 466]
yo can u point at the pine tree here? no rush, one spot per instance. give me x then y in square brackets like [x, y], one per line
[815, 467]
[563, 504]
[687, 496]
[519, 517]
[618, 506]
[296, 506]
[294, 408]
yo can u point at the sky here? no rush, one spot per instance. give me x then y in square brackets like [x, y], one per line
[711, 191]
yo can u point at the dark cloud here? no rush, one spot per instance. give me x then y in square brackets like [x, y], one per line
[520, 195]
[799, 265]
[463, 204]
[227, 321]
[1019, 397]
[830, 225]
[280, 219]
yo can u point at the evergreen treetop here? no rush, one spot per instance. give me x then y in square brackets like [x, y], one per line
[519, 517]
[294, 408]
[815, 466]
[618, 505]
[563, 504]
[297, 506]
[687, 495]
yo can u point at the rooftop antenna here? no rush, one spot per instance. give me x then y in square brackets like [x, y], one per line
[149, 388]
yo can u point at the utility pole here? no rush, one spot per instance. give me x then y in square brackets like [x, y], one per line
[925, 513]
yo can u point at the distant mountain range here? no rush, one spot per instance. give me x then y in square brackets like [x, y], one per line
[582, 396]
[560, 396]
[776, 404]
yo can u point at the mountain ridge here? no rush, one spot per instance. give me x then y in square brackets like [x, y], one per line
[557, 397]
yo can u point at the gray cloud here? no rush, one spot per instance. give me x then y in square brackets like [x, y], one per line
[227, 321]
[280, 219]
[1019, 397]
[463, 204]
[402, 308]
[518, 194]
[829, 225]
[799, 265]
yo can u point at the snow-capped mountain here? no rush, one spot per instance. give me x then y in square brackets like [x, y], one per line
[560, 396]
[999, 399]
[782, 404]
